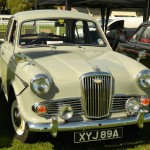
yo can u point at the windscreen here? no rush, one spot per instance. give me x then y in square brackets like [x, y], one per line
[59, 31]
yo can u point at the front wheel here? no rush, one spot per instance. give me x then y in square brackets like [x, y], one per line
[21, 132]
[1, 91]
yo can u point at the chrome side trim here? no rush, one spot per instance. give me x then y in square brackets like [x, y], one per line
[139, 120]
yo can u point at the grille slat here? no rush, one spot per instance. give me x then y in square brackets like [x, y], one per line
[97, 91]
[118, 102]
[53, 106]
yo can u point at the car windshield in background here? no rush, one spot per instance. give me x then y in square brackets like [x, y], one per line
[59, 31]
[100, 21]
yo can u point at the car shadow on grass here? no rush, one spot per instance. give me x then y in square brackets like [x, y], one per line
[133, 137]
[64, 141]
[6, 134]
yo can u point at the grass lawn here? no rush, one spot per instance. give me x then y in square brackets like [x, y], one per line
[64, 141]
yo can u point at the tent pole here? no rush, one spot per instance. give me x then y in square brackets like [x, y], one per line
[102, 15]
[68, 5]
[146, 11]
[107, 18]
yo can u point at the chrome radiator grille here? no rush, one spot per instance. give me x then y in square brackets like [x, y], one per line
[96, 93]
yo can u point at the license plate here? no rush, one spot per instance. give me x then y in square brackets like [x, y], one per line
[95, 135]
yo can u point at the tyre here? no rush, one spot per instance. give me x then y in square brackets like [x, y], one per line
[19, 125]
[1, 91]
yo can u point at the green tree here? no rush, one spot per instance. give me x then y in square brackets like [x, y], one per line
[20, 5]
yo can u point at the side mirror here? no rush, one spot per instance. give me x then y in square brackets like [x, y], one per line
[100, 42]
[141, 55]
[20, 57]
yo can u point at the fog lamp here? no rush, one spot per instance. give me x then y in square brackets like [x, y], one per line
[65, 112]
[132, 106]
[145, 101]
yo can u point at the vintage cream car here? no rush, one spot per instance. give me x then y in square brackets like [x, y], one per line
[56, 79]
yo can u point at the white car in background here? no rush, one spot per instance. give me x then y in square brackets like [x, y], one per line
[128, 24]
[5, 17]
[3, 25]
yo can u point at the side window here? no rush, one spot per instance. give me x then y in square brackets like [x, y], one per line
[13, 33]
[93, 33]
[137, 35]
[86, 33]
[79, 32]
[145, 38]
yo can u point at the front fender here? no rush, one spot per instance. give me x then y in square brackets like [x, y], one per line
[19, 86]
[20, 72]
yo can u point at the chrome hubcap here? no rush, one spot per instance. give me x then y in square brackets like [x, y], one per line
[17, 118]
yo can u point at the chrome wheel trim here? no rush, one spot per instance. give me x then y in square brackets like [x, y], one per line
[17, 121]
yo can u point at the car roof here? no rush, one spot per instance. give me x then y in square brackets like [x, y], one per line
[33, 14]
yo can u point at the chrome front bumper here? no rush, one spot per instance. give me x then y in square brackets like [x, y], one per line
[54, 127]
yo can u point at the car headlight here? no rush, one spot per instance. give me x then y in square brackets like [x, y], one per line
[143, 79]
[40, 84]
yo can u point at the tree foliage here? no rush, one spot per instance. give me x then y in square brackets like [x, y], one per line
[2, 6]
[2, 2]
[20, 5]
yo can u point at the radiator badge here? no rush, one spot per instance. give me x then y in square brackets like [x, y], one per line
[97, 81]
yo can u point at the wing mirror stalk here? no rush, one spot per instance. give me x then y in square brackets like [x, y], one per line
[141, 55]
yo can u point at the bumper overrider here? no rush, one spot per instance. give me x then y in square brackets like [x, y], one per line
[54, 127]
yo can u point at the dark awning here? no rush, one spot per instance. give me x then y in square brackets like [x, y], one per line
[97, 3]
[51, 2]
[104, 5]
[112, 3]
